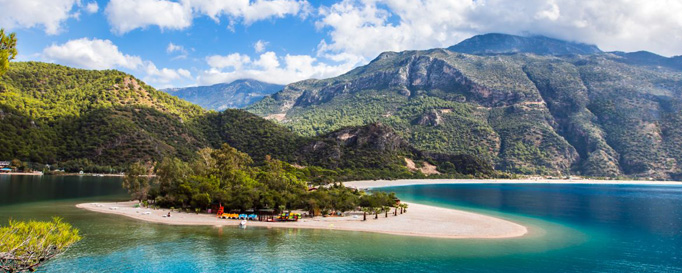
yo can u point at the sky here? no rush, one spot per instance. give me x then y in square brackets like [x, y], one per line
[176, 43]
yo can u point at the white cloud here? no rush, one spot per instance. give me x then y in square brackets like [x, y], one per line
[103, 54]
[50, 14]
[164, 76]
[365, 28]
[127, 15]
[260, 46]
[173, 48]
[90, 54]
[268, 68]
[91, 7]
[234, 61]
[267, 61]
[251, 11]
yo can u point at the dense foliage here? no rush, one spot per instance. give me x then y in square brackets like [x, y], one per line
[51, 113]
[24, 246]
[228, 177]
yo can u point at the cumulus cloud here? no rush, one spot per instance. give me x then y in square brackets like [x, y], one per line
[127, 15]
[268, 67]
[50, 14]
[233, 61]
[259, 46]
[164, 76]
[91, 7]
[103, 54]
[90, 54]
[251, 11]
[365, 28]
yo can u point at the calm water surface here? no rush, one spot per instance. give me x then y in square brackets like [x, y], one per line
[574, 228]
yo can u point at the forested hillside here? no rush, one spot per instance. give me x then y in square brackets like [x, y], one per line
[105, 120]
[569, 108]
[52, 113]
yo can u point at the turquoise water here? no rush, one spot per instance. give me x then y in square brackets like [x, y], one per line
[573, 229]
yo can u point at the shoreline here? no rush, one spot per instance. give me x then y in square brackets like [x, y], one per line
[34, 174]
[368, 184]
[420, 221]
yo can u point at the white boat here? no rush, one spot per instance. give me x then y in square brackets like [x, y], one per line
[242, 224]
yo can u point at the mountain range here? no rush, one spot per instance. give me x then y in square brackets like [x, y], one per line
[237, 94]
[532, 105]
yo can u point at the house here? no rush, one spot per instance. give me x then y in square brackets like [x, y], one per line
[4, 164]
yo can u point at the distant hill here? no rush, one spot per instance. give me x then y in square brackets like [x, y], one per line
[496, 43]
[554, 107]
[645, 58]
[237, 94]
[104, 120]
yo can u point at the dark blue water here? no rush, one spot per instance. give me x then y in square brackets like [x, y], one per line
[574, 228]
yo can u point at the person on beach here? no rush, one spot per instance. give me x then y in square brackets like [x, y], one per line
[168, 214]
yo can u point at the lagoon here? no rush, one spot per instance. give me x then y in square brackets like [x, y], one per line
[606, 228]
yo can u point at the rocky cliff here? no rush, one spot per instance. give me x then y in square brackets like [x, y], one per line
[587, 112]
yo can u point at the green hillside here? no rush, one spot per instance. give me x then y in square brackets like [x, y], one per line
[53, 113]
[105, 120]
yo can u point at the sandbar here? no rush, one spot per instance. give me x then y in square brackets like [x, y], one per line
[419, 220]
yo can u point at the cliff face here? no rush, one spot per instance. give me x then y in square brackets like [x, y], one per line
[601, 114]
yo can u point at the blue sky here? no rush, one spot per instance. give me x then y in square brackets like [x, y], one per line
[199, 42]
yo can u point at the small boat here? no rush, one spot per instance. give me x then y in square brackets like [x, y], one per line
[242, 224]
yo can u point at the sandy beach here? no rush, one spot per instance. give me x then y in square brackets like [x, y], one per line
[420, 220]
[407, 182]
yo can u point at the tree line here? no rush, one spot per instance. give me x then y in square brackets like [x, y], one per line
[230, 178]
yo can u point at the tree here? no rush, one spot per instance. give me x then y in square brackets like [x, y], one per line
[386, 209]
[16, 163]
[8, 50]
[403, 208]
[136, 181]
[24, 246]
[366, 210]
[170, 173]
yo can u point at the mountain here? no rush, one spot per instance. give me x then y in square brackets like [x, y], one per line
[237, 94]
[101, 121]
[645, 58]
[596, 114]
[496, 43]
